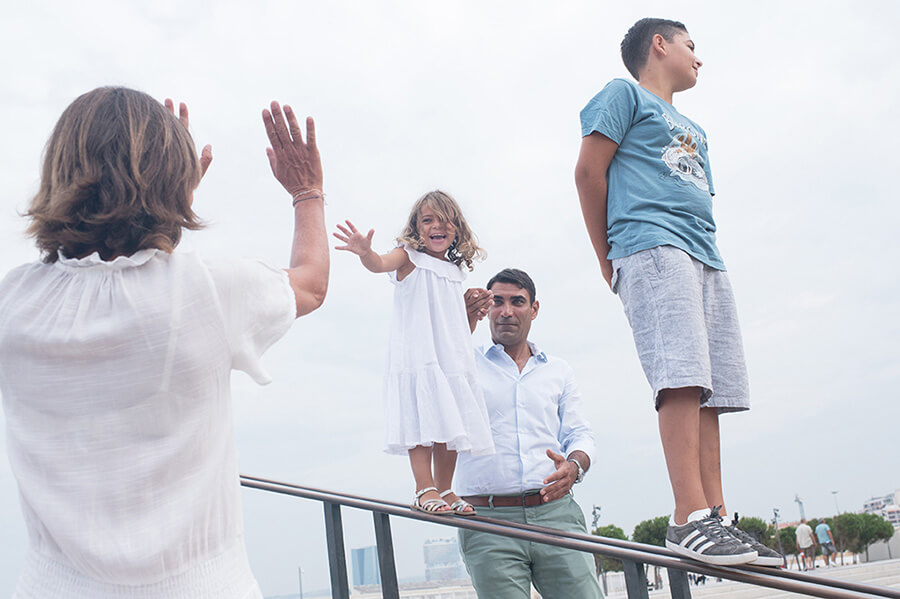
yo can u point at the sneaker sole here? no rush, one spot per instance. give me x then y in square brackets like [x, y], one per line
[776, 562]
[716, 560]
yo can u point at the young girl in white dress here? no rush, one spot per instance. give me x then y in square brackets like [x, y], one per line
[434, 407]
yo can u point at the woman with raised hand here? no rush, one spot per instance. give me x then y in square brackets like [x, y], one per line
[116, 353]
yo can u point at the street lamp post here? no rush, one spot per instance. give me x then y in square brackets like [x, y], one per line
[601, 574]
[300, 575]
[778, 537]
[837, 512]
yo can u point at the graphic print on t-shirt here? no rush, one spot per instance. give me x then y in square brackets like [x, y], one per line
[682, 155]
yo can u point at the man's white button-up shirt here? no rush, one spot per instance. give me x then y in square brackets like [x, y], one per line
[531, 411]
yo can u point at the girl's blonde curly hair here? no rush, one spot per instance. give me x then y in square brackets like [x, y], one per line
[464, 248]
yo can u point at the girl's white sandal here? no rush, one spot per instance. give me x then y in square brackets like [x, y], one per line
[431, 506]
[459, 506]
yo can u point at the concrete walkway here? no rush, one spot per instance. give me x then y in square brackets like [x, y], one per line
[883, 573]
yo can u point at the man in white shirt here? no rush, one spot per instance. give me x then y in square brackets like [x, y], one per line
[543, 446]
[806, 544]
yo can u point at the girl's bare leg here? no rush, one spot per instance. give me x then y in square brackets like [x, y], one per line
[420, 461]
[444, 467]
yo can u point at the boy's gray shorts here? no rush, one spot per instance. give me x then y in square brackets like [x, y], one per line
[685, 325]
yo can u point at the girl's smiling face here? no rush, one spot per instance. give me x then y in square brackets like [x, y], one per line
[435, 233]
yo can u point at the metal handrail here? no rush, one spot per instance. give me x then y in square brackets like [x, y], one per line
[633, 555]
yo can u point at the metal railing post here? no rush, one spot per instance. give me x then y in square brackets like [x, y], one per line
[337, 559]
[679, 585]
[389, 587]
[635, 580]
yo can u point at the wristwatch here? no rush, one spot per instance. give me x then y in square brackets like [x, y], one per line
[580, 476]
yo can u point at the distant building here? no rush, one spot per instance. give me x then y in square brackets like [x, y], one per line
[891, 513]
[886, 506]
[442, 560]
[365, 566]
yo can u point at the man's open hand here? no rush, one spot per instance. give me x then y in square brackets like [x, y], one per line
[560, 482]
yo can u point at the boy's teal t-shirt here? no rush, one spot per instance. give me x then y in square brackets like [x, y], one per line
[822, 533]
[659, 180]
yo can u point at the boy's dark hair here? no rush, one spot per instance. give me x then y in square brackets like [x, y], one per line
[514, 276]
[636, 43]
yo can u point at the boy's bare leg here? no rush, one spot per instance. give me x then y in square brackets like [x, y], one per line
[420, 460]
[679, 430]
[710, 458]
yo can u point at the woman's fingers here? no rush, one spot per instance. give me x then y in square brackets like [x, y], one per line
[269, 124]
[183, 114]
[205, 159]
[310, 132]
[273, 161]
[280, 125]
[184, 118]
[293, 125]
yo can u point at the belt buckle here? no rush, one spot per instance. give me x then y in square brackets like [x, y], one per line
[528, 494]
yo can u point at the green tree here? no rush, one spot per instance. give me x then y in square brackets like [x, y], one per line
[651, 532]
[874, 528]
[788, 536]
[847, 530]
[608, 564]
[757, 528]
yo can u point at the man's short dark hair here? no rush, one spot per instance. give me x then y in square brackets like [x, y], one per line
[514, 276]
[636, 43]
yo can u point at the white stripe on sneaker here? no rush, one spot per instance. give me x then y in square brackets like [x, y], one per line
[702, 548]
[688, 540]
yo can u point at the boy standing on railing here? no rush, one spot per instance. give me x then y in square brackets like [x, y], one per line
[646, 189]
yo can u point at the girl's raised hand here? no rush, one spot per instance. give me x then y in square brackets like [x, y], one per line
[354, 241]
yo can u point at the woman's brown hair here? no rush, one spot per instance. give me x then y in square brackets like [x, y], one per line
[118, 176]
[464, 248]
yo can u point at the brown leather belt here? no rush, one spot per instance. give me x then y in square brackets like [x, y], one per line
[530, 499]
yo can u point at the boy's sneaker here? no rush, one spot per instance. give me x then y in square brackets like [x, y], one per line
[766, 556]
[704, 538]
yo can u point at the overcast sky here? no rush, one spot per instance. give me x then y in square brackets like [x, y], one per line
[481, 99]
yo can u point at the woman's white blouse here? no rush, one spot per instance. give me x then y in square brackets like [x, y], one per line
[115, 379]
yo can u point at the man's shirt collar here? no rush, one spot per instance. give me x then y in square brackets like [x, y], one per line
[487, 348]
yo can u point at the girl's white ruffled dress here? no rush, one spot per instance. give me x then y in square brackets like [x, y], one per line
[431, 393]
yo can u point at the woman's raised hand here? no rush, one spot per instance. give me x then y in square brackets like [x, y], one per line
[295, 164]
[206, 152]
[354, 241]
